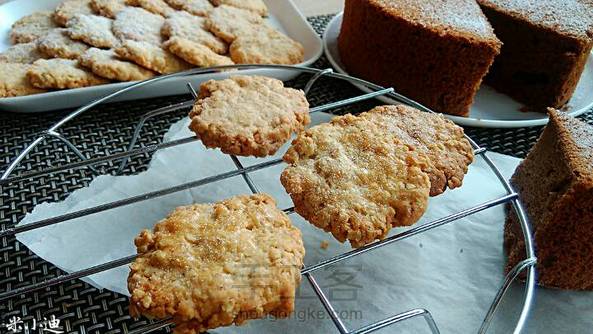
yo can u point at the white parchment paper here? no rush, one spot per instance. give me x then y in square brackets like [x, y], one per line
[453, 271]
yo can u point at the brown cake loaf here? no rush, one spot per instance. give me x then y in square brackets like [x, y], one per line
[546, 46]
[435, 52]
[555, 185]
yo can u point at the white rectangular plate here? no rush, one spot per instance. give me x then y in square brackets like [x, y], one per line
[283, 15]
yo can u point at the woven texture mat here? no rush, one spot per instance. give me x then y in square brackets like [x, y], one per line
[104, 131]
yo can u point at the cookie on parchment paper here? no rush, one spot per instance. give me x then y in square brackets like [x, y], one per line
[68, 8]
[350, 178]
[190, 27]
[31, 27]
[182, 262]
[152, 57]
[195, 53]
[266, 46]
[61, 74]
[106, 64]
[195, 7]
[107, 8]
[257, 6]
[23, 53]
[14, 82]
[92, 29]
[57, 44]
[229, 22]
[159, 7]
[138, 24]
[248, 115]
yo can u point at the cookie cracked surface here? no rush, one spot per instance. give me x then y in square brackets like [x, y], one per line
[57, 44]
[248, 115]
[256, 6]
[212, 265]
[14, 82]
[106, 64]
[68, 8]
[92, 29]
[229, 22]
[152, 57]
[195, 53]
[193, 28]
[266, 46]
[137, 24]
[23, 53]
[353, 180]
[61, 74]
[31, 27]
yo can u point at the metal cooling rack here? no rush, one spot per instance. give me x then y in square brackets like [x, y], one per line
[8, 179]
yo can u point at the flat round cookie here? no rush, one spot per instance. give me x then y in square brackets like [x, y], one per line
[266, 46]
[158, 7]
[229, 22]
[31, 27]
[68, 8]
[92, 29]
[24, 53]
[14, 82]
[351, 179]
[190, 27]
[195, 53]
[137, 24]
[107, 8]
[61, 74]
[104, 63]
[57, 44]
[213, 265]
[152, 57]
[448, 151]
[195, 7]
[256, 6]
[248, 115]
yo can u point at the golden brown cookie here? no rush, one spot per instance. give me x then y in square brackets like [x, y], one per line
[138, 24]
[61, 74]
[24, 53]
[107, 8]
[106, 64]
[449, 152]
[159, 7]
[57, 44]
[14, 82]
[257, 6]
[195, 7]
[31, 27]
[266, 46]
[68, 8]
[352, 179]
[152, 57]
[92, 29]
[248, 115]
[213, 265]
[229, 22]
[190, 27]
[195, 53]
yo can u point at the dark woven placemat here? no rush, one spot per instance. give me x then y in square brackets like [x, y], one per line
[107, 130]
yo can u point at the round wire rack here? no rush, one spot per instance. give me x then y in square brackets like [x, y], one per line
[511, 197]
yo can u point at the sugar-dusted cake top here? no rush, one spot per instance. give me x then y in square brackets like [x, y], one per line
[577, 139]
[570, 17]
[449, 16]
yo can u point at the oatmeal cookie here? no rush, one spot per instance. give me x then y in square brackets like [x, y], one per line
[229, 22]
[248, 115]
[14, 82]
[107, 8]
[152, 57]
[92, 29]
[61, 74]
[31, 27]
[190, 27]
[449, 152]
[105, 63]
[213, 265]
[351, 179]
[266, 46]
[158, 7]
[68, 8]
[257, 6]
[137, 24]
[57, 44]
[24, 53]
[195, 7]
[195, 53]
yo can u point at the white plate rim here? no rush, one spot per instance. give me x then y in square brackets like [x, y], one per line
[466, 121]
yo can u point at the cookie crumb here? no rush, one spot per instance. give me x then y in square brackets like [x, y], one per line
[324, 244]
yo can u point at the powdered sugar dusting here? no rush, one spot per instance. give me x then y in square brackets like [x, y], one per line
[572, 17]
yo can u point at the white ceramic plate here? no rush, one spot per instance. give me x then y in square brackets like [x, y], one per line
[490, 109]
[283, 15]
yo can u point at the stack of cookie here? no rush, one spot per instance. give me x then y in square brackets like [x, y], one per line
[91, 42]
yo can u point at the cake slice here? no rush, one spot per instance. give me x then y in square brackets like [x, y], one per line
[546, 46]
[555, 185]
[435, 52]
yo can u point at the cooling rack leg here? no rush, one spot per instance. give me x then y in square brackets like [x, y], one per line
[400, 317]
[327, 304]
[314, 79]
